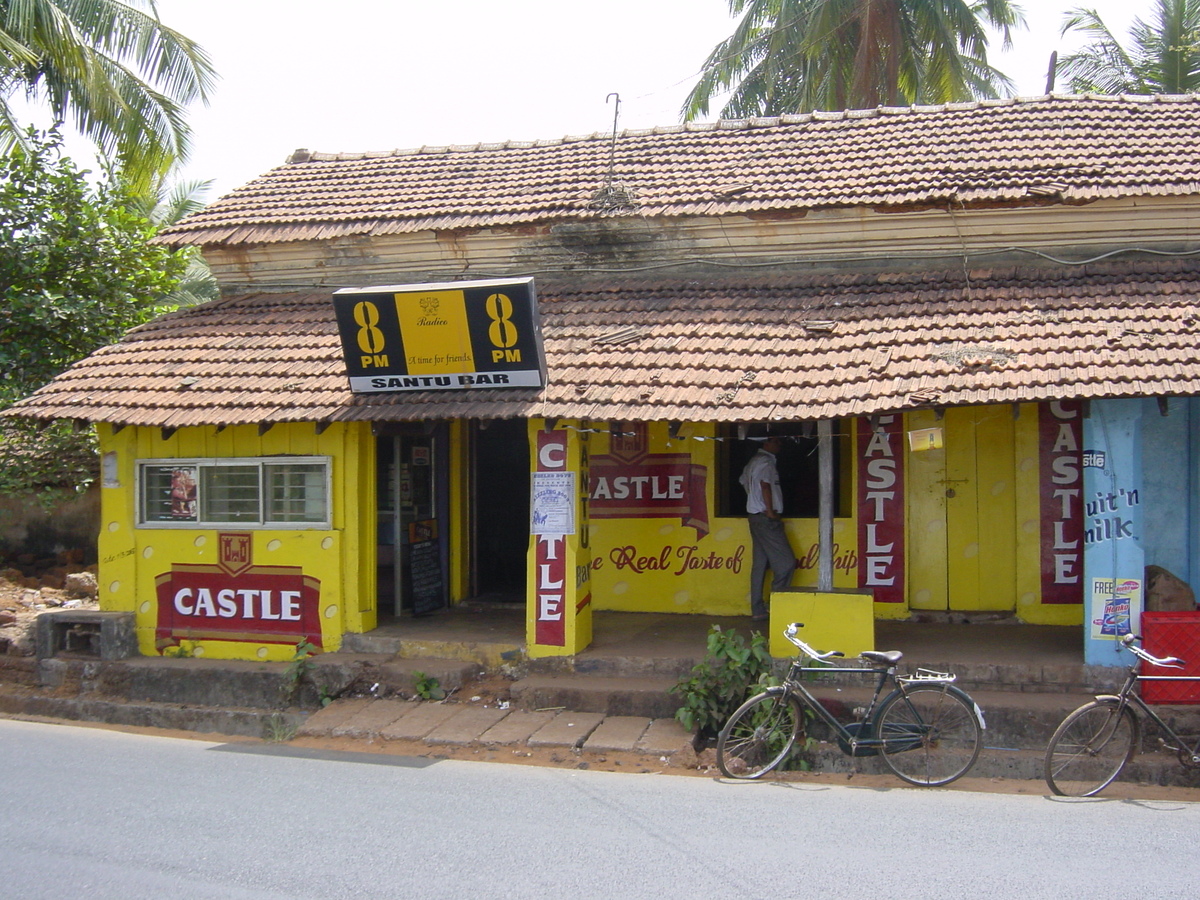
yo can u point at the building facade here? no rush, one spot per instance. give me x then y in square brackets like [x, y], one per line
[974, 325]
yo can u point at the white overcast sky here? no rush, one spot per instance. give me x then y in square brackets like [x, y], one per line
[354, 75]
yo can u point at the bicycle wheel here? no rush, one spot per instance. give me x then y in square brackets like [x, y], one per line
[929, 734]
[1090, 748]
[760, 734]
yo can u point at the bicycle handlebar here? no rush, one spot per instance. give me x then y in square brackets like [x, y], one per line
[790, 634]
[1129, 643]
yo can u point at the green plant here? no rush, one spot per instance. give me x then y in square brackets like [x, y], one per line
[720, 682]
[279, 730]
[299, 670]
[184, 650]
[427, 687]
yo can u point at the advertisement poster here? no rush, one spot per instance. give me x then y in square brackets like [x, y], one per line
[553, 506]
[1115, 608]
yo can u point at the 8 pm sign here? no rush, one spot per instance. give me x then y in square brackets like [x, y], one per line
[453, 336]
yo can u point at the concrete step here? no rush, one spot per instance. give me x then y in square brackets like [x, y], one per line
[236, 683]
[487, 653]
[615, 696]
[279, 724]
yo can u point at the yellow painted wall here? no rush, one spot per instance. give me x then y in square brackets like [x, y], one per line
[663, 565]
[342, 557]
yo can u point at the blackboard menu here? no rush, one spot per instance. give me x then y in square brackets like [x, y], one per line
[425, 569]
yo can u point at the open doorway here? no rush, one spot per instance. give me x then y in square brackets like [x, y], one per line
[413, 550]
[500, 509]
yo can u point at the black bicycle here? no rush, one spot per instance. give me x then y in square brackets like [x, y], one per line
[928, 731]
[1095, 742]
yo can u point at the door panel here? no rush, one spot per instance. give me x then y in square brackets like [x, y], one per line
[962, 512]
[925, 474]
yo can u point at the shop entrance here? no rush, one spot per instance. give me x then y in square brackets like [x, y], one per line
[499, 509]
[413, 555]
[963, 518]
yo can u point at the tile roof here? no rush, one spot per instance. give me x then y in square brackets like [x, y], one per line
[787, 347]
[990, 152]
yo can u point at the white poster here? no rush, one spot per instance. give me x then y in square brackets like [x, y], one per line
[553, 503]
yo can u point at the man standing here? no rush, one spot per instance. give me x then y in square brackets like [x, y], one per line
[764, 507]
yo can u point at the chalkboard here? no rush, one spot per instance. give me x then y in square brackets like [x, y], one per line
[425, 571]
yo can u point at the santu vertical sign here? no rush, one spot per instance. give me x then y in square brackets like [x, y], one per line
[454, 336]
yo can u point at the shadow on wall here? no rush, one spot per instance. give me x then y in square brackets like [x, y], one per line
[36, 539]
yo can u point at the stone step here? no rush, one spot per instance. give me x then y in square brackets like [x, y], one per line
[489, 654]
[236, 683]
[276, 725]
[615, 696]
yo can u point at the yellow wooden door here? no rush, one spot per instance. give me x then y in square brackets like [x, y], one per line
[962, 524]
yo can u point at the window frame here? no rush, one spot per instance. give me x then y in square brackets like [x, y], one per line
[729, 496]
[261, 463]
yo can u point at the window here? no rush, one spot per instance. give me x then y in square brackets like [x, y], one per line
[799, 475]
[270, 492]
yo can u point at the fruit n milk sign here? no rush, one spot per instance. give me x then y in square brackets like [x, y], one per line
[235, 600]
[451, 336]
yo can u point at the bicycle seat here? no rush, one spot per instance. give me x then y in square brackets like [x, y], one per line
[883, 657]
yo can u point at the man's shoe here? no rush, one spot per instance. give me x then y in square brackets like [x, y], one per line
[759, 617]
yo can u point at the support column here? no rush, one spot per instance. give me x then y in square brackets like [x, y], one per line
[559, 605]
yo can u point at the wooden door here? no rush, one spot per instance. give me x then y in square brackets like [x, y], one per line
[962, 512]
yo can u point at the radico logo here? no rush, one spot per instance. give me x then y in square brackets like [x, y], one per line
[431, 317]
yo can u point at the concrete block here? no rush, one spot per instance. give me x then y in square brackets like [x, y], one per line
[664, 737]
[375, 716]
[517, 726]
[570, 729]
[86, 632]
[617, 733]
[323, 721]
[418, 722]
[833, 620]
[467, 726]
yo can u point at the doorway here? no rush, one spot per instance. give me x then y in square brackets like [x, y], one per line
[499, 509]
[963, 523]
[412, 489]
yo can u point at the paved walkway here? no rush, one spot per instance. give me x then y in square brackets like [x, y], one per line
[467, 724]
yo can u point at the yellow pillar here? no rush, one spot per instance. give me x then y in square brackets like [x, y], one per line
[559, 606]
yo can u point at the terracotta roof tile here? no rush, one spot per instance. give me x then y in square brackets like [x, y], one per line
[1071, 149]
[714, 349]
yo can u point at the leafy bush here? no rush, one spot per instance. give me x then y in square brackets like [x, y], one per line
[720, 682]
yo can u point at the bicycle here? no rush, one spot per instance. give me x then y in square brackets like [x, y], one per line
[928, 731]
[1093, 744]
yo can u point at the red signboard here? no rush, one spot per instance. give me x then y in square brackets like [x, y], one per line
[881, 508]
[550, 620]
[1060, 442]
[236, 600]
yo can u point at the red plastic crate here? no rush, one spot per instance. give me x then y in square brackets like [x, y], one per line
[1172, 634]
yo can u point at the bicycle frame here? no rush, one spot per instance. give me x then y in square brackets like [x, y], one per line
[1127, 696]
[885, 674]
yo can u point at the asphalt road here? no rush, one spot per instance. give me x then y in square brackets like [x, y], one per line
[100, 814]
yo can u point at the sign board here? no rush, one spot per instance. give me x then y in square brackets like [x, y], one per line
[453, 336]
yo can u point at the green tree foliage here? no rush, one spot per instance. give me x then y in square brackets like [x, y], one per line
[77, 269]
[1161, 57]
[109, 67]
[791, 56]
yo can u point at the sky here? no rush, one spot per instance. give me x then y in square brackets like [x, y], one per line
[357, 75]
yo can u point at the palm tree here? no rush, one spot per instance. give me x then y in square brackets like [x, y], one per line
[788, 56]
[111, 68]
[1162, 57]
